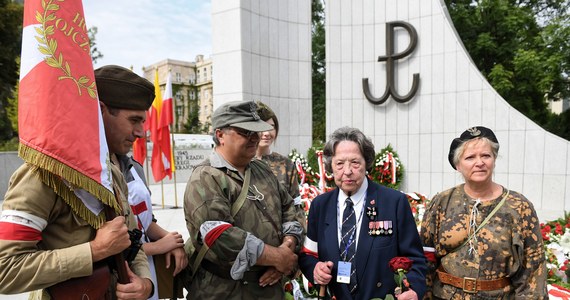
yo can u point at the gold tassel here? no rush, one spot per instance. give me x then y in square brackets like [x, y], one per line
[52, 172]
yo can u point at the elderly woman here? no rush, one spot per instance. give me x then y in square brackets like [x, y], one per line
[356, 229]
[281, 165]
[482, 240]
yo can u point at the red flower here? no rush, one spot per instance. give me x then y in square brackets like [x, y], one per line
[559, 229]
[400, 262]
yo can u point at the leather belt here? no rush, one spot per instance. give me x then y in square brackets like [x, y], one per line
[472, 285]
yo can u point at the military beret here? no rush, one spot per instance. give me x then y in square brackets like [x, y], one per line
[469, 134]
[242, 114]
[120, 87]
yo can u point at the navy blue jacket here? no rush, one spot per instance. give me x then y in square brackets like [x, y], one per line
[374, 277]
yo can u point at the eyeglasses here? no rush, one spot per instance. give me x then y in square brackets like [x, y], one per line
[245, 133]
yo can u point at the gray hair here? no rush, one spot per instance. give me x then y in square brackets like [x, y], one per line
[215, 138]
[353, 135]
[461, 148]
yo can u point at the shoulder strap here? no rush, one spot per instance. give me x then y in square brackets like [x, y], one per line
[235, 209]
[241, 198]
[484, 221]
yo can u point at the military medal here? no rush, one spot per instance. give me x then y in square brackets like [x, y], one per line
[380, 228]
[371, 213]
[389, 227]
[371, 228]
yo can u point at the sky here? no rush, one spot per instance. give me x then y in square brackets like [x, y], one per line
[138, 33]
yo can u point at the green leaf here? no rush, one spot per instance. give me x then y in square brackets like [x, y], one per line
[51, 62]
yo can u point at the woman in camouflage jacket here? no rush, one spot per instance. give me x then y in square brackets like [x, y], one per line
[482, 240]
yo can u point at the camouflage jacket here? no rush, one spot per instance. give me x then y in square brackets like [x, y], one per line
[285, 171]
[509, 245]
[210, 193]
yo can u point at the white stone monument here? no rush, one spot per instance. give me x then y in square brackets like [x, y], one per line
[451, 96]
[262, 51]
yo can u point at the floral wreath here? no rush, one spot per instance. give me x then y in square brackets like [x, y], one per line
[387, 169]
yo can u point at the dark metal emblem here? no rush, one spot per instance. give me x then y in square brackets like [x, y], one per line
[389, 59]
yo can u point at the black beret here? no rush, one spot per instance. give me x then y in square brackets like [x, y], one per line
[120, 87]
[471, 133]
[242, 114]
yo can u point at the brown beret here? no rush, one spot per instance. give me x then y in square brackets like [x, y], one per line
[120, 87]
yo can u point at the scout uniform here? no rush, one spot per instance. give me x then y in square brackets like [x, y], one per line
[62, 251]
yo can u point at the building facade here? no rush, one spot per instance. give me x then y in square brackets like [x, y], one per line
[191, 91]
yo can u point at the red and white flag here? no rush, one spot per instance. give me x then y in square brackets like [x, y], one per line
[60, 124]
[161, 160]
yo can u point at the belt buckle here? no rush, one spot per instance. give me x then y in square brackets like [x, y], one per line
[473, 281]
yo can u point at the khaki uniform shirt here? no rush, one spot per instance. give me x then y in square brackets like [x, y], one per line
[210, 193]
[63, 251]
[509, 245]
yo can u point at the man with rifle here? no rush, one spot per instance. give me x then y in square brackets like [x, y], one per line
[48, 245]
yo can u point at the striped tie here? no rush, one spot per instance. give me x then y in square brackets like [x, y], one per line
[348, 241]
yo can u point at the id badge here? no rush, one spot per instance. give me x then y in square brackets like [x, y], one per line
[343, 275]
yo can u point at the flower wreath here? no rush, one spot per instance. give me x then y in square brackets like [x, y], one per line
[387, 170]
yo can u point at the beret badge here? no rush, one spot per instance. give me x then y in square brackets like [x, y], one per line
[474, 131]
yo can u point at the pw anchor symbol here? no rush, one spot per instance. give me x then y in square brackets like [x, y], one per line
[389, 59]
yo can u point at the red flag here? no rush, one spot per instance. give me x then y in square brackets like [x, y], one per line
[166, 113]
[139, 150]
[60, 125]
[161, 160]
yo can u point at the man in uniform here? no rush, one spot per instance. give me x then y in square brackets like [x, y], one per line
[252, 243]
[45, 238]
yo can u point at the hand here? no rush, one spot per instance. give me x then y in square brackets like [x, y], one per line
[180, 259]
[137, 288]
[288, 260]
[407, 295]
[270, 277]
[322, 273]
[111, 238]
[170, 241]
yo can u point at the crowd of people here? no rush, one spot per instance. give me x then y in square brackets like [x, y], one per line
[248, 231]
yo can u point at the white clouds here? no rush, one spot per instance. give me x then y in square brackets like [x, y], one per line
[142, 32]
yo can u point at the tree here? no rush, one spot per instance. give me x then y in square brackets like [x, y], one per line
[11, 15]
[318, 70]
[95, 53]
[521, 47]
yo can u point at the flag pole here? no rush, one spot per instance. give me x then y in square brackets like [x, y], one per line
[172, 142]
[162, 191]
[173, 169]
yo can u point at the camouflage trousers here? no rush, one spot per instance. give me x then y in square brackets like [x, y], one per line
[208, 286]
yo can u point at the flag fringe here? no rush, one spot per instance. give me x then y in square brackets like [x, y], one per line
[51, 172]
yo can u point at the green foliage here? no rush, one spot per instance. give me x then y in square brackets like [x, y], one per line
[9, 145]
[318, 70]
[193, 124]
[11, 14]
[95, 53]
[522, 48]
[382, 170]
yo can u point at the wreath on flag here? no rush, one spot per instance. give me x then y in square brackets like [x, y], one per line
[387, 170]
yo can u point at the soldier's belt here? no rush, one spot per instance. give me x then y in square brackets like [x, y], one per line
[471, 285]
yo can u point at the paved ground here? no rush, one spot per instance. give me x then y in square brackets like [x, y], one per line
[167, 210]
